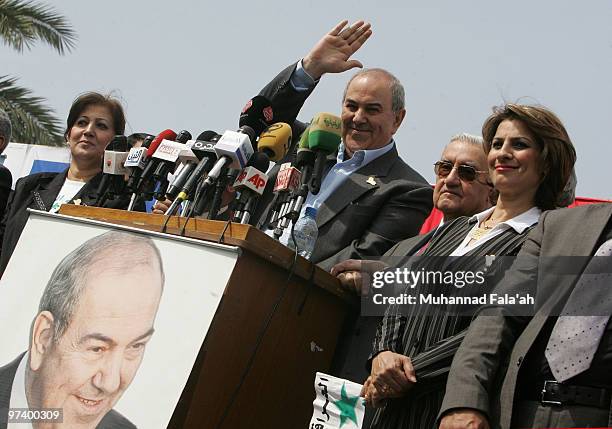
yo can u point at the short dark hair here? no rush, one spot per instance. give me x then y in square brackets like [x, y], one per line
[87, 99]
[557, 153]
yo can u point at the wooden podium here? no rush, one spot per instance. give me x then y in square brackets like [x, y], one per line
[270, 334]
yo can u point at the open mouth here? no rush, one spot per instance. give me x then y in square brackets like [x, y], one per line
[90, 403]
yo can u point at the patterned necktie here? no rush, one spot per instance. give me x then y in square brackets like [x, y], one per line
[575, 337]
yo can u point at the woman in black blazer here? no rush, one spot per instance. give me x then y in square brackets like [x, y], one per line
[94, 119]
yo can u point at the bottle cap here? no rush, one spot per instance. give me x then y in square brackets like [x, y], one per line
[311, 211]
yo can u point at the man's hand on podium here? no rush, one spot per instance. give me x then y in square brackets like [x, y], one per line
[161, 207]
[355, 274]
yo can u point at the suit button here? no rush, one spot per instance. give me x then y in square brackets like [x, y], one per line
[519, 361]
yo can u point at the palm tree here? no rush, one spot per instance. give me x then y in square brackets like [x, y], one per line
[22, 24]
[33, 122]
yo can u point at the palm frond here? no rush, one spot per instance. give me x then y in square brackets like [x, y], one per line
[32, 121]
[23, 23]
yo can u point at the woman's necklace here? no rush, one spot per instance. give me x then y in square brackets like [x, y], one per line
[483, 229]
[78, 177]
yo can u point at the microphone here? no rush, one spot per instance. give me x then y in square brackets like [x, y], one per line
[305, 158]
[152, 163]
[203, 148]
[305, 161]
[220, 188]
[251, 183]
[257, 114]
[188, 159]
[234, 149]
[287, 182]
[183, 136]
[170, 156]
[145, 178]
[169, 152]
[181, 175]
[136, 161]
[136, 158]
[208, 136]
[113, 180]
[324, 138]
[275, 141]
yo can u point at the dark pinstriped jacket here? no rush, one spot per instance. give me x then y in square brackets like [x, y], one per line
[414, 333]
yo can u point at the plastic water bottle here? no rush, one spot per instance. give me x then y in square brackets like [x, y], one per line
[306, 233]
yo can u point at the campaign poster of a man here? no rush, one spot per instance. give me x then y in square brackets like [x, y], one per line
[88, 338]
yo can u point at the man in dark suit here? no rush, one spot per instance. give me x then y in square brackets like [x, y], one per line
[6, 179]
[370, 198]
[536, 392]
[86, 345]
[459, 191]
[111, 420]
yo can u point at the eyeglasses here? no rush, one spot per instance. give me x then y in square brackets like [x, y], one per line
[467, 173]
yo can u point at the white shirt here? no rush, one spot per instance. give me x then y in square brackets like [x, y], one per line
[18, 393]
[519, 223]
[69, 189]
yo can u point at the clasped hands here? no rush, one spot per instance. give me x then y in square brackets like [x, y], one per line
[393, 375]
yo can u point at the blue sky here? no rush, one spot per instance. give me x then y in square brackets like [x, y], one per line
[192, 65]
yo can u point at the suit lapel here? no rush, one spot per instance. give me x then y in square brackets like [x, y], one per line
[557, 288]
[580, 234]
[7, 376]
[47, 192]
[583, 231]
[89, 192]
[355, 185]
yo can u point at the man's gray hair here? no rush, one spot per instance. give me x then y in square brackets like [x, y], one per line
[398, 95]
[468, 138]
[5, 126]
[119, 251]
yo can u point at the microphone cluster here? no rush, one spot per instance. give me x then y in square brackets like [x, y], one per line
[295, 182]
[194, 174]
[197, 175]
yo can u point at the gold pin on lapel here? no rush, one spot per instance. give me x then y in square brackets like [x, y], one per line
[371, 181]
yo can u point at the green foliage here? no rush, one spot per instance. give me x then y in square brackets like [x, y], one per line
[22, 24]
[32, 121]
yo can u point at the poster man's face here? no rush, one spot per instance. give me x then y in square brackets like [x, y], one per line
[87, 370]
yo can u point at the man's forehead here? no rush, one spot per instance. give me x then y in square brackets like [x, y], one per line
[372, 83]
[116, 269]
[127, 256]
[124, 293]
